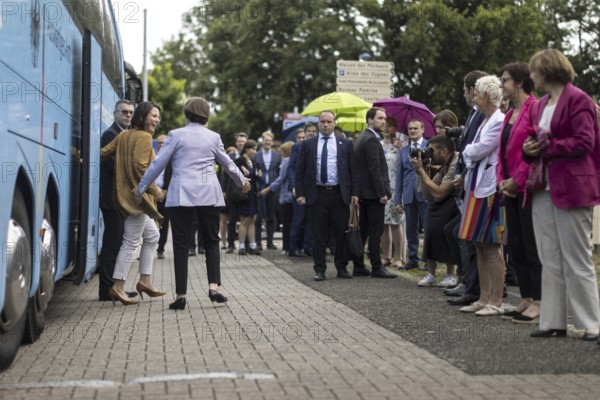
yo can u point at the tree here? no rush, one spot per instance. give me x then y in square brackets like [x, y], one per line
[168, 92]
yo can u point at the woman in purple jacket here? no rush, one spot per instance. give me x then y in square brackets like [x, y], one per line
[566, 147]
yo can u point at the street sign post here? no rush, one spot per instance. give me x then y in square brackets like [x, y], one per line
[369, 80]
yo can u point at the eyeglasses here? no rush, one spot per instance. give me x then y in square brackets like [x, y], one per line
[504, 80]
[125, 112]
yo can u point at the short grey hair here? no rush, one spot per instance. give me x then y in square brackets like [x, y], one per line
[491, 87]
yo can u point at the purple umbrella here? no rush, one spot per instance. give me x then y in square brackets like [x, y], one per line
[404, 110]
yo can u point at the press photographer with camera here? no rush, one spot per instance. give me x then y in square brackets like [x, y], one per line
[441, 206]
[407, 198]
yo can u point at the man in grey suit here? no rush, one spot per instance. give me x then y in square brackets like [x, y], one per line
[374, 188]
[407, 198]
[194, 151]
[268, 161]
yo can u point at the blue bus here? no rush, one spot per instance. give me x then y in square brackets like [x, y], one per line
[61, 72]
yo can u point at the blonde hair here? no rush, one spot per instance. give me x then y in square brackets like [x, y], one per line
[286, 149]
[553, 66]
[491, 87]
[269, 134]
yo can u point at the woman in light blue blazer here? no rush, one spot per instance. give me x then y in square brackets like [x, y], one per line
[194, 151]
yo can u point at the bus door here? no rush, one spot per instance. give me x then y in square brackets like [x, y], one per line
[89, 152]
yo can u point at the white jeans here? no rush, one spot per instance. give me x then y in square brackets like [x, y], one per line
[568, 272]
[137, 227]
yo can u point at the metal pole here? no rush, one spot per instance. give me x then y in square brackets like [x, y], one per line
[144, 68]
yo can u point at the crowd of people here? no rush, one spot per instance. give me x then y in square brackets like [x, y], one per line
[513, 186]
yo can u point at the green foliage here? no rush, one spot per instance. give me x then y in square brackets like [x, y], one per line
[254, 60]
[168, 92]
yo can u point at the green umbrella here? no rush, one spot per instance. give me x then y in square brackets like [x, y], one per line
[337, 102]
[352, 122]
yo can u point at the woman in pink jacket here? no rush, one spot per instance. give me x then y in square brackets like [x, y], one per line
[512, 174]
[566, 147]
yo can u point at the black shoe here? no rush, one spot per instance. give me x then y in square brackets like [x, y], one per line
[161, 255]
[255, 252]
[178, 304]
[308, 253]
[201, 250]
[362, 271]
[320, 276]
[343, 274]
[191, 253]
[271, 246]
[242, 252]
[548, 333]
[590, 337]
[131, 295]
[464, 300]
[382, 273]
[230, 250]
[216, 297]
[409, 265]
[293, 254]
[456, 291]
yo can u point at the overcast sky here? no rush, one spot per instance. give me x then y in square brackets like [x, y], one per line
[164, 22]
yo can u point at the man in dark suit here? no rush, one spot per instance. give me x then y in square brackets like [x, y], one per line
[326, 181]
[232, 207]
[407, 198]
[468, 290]
[113, 224]
[374, 187]
[163, 182]
[268, 162]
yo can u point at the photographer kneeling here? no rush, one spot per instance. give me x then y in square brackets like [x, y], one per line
[441, 206]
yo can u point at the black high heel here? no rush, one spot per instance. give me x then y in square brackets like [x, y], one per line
[216, 297]
[548, 333]
[178, 304]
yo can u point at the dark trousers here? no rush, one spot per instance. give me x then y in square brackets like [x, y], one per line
[181, 226]
[164, 229]
[196, 232]
[329, 211]
[301, 230]
[522, 248]
[111, 244]
[415, 217]
[468, 256]
[453, 241]
[267, 207]
[234, 216]
[286, 216]
[371, 226]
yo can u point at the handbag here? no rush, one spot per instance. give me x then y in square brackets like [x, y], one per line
[353, 246]
[536, 179]
[235, 193]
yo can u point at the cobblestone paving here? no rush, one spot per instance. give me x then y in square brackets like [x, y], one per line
[274, 339]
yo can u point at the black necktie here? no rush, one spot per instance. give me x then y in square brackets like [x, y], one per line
[324, 161]
[415, 144]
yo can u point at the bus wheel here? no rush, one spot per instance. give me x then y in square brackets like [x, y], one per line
[36, 315]
[18, 281]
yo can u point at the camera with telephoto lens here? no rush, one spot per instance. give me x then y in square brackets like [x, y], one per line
[454, 133]
[426, 154]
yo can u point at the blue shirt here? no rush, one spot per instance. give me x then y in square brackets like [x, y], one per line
[332, 175]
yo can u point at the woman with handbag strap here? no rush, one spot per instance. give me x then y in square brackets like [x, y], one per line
[511, 173]
[568, 140]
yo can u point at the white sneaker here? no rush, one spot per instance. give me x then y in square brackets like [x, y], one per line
[448, 281]
[490, 310]
[429, 280]
[473, 307]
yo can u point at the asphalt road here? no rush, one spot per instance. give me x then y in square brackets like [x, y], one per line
[477, 345]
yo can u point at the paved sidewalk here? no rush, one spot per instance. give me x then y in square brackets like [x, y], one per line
[275, 339]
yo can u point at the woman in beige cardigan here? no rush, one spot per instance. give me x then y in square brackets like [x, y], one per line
[134, 153]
